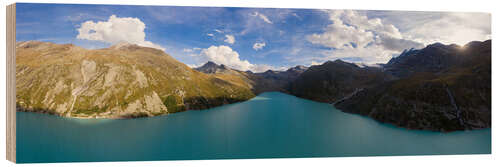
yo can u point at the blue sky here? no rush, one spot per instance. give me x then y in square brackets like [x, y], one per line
[254, 39]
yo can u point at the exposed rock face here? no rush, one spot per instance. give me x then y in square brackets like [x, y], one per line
[441, 87]
[122, 81]
[212, 68]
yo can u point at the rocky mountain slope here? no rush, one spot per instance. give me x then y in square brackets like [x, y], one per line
[334, 80]
[124, 80]
[440, 87]
[212, 68]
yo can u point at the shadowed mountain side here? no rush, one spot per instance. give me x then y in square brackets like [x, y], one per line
[335, 80]
[438, 57]
[276, 80]
[457, 97]
[200, 103]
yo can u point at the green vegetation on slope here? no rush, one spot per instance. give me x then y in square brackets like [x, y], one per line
[116, 82]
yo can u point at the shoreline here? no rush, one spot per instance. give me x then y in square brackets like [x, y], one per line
[364, 116]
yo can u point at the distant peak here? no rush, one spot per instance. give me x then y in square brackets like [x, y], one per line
[339, 61]
[269, 71]
[298, 68]
[210, 68]
[437, 44]
[332, 62]
[210, 62]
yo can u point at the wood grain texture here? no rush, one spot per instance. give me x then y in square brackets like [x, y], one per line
[11, 83]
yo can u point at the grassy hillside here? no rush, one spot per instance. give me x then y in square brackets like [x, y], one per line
[120, 81]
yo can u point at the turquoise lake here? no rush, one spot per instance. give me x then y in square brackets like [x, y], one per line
[271, 125]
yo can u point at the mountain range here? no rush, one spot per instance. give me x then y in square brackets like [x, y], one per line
[439, 87]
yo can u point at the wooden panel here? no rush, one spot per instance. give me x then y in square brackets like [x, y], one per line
[11, 82]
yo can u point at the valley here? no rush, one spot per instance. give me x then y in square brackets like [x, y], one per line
[439, 87]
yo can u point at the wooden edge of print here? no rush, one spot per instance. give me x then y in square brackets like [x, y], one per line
[11, 82]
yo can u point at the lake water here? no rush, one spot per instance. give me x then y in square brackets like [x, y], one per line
[270, 125]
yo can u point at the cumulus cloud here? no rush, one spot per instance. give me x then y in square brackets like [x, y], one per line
[398, 44]
[258, 46]
[115, 30]
[351, 33]
[445, 27]
[353, 30]
[230, 39]
[339, 35]
[458, 28]
[210, 34]
[262, 16]
[375, 39]
[226, 55]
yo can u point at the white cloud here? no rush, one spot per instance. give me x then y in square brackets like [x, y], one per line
[264, 67]
[190, 50]
[226, 55]
[262, 21]
[210, 34]
[219, 31]
[339, 35]
[258, 46]
[369, 55]
[458, 28]
[230, 39]
[375, 39]
[397, 44]
[353, 30]
[77, 17]
[445, 27]
[313, 63]
[360, 39]
[297, 16]
[194, 65]
[262, 16]
[115, 30]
